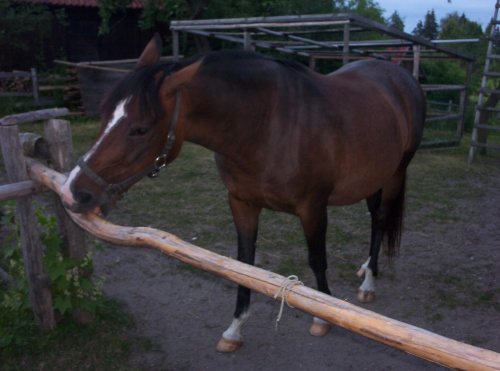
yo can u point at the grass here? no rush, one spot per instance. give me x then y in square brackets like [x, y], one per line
[104, 345]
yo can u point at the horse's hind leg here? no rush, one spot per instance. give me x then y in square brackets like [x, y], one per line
[246, 219]
[386, 210]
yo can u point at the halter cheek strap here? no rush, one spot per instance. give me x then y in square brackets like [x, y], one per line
[115, 189]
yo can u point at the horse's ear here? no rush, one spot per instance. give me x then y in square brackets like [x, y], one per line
[183, 76]
[152, 52]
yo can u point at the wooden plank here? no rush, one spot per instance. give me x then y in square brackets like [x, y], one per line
[485, 145]
[16, 94]
[407, 338]
[8, 75]
[21, 189]
[58, 87]
[443, 118]
[487, 127]
[442, 87]
[44, 114]
[32, 248]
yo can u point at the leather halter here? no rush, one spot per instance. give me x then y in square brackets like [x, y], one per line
[114, 190]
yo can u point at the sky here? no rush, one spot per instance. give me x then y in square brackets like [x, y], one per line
[412, 11]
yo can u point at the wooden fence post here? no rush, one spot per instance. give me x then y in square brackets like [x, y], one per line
[34, 81]
[58, 138]
[32, 248]
[59, 141]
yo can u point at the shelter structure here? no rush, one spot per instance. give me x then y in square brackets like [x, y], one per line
[344, 37]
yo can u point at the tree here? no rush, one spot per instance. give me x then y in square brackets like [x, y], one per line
[25, 30]
[365, 8]
[395, 21]
[163, 11]
[429, 28]
[455, 26]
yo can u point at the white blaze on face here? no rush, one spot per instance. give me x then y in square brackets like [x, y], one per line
[118, 114]
[66, 194]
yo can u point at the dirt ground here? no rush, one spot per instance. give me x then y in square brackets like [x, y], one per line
[446, 280]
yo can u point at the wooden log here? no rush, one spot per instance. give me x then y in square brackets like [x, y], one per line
[21, 189]
[410, 339]
[44, 114]
[60, 146]
[34, 145]
[32, 248]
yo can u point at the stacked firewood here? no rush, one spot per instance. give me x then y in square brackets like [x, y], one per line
[16, 84]
[72, 96]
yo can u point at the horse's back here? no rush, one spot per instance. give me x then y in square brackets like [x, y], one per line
[389, 86]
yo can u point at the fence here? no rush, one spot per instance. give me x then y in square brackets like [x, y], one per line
[71, 90]
[410, 339]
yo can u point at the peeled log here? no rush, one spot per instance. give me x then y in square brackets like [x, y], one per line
[410, 339]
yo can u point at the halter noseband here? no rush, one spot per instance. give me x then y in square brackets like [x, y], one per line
[114, 189]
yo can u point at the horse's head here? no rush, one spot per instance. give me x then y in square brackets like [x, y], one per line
[138, 115]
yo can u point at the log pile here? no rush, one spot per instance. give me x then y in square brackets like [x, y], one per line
[16, 84]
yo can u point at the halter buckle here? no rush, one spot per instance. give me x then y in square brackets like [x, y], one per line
[160, 163]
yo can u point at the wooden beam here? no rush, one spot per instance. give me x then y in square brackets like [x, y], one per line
[407, 338]
[22, 118]
[21, 189]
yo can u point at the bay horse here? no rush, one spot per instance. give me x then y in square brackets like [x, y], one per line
[285, 138]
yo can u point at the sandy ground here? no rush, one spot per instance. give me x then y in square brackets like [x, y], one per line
[446, 280]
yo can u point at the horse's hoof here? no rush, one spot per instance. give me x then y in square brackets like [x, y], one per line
[319, 328]
[365, 296]
[228, 345]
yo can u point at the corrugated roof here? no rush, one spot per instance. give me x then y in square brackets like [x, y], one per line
[136, 4]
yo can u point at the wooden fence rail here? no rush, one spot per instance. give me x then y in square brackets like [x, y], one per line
[411, 339]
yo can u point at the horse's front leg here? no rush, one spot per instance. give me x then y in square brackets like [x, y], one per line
[246, 219]
[314, 222]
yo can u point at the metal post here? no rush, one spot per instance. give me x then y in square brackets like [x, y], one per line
[34, 80]
[247, 40]
[312, 63]
[175, 45]
[416, 61]
[345, 51]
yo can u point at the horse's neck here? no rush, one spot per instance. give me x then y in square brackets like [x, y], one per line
[220, 128]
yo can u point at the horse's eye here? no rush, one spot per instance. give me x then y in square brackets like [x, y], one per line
[138, 131]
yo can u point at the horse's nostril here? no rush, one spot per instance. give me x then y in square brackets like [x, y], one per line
[82, 197]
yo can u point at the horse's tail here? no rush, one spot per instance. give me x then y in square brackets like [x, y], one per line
[395, 221]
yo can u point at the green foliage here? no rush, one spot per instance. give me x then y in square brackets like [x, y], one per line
[454, 26]
[24, 31]
[163, 11]
[395, 21]
[429, 29]
[365, 8]
[71, 286]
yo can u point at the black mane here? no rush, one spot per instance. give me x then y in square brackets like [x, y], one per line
[142, 81]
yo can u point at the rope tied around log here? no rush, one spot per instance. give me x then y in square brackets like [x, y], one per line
[284, 289]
